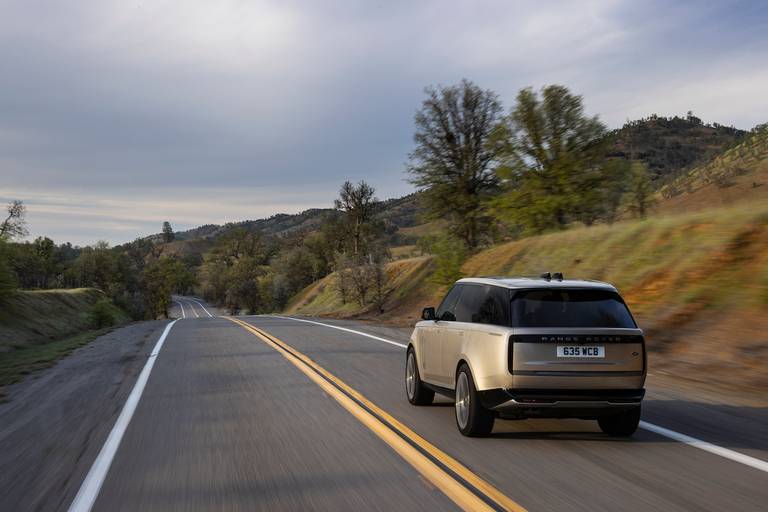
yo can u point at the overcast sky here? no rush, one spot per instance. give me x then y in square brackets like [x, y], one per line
[116, 116]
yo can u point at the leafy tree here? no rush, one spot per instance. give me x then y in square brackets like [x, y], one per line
[14, 224]
[553, 156]
[159, 280]
[168, 234]
[452, 161]
[8, 280]
[232, 273]
[639, 196]
[450, 254]
[244, 290]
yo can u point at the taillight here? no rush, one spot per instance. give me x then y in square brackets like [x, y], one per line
[511, 353]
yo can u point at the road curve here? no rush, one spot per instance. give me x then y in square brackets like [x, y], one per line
[227, 420]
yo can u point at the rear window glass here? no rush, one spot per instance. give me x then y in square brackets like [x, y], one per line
[570, 308]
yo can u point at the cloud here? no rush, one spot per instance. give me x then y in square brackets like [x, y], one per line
[160, 106]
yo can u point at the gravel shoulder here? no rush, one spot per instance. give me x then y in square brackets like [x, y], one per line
[56, 420]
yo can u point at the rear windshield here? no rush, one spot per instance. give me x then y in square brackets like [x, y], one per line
[570, 308]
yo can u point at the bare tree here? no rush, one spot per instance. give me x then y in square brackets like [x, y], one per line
[14, 225]
[359, 205]
[453, 158]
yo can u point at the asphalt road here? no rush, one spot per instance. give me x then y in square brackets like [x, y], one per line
[227, 422]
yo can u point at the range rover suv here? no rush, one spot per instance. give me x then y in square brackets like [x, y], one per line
[530, 348]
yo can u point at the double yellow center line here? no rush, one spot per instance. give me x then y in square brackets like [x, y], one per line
[456, 481]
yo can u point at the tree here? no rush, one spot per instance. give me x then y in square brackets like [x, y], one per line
[359, 205]
[552, 160]
[231, 273]
[168, 234]
[452, 161]
[450, 255]
[14, 225]
[639, 196]
[159, 280]
[8, 280]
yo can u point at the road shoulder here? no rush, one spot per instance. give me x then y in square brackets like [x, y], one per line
[55, 421]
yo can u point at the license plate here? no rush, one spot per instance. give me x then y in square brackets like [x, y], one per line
[580, 351]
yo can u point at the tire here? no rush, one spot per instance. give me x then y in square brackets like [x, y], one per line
[415, 390]
[623, 424]
[472, 418]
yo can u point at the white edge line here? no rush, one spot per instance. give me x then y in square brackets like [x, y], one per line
[201, 305]
[707, 447]
[89, 490]
[342, 329]
[671, 434]
[183, 315]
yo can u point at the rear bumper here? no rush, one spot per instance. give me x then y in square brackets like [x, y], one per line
[560, 402]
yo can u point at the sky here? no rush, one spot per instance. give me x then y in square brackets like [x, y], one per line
[116, 116]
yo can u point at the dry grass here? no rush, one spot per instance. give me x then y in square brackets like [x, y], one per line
[697, 282]
[407, 287]
[739, 174]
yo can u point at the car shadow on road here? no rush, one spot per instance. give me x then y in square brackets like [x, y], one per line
[735, 427]
[728, 426]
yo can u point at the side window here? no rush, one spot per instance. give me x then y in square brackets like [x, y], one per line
[468, 306]
[445, 311]
[480, 304]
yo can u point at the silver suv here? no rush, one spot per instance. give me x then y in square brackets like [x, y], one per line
[526, 347]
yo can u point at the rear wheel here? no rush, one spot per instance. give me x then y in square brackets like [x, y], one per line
[472, 418]
[417, 393]
[623, 424]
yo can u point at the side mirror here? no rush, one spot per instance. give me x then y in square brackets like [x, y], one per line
[428, 314]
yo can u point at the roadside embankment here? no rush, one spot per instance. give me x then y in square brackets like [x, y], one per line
[37, 328]
[697, 283]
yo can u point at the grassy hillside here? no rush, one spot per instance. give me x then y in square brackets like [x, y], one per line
[407, 285]
[738, 174]
[697, 283]
[38, 317]
[37, 328]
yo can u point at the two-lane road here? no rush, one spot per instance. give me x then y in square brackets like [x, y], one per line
[191, 307]
[233, 419]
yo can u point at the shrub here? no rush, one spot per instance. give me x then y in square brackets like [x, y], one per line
[450, 254]
[102, 314]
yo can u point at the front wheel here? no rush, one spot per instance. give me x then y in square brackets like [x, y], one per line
[622, 424]
[472, 418]
[415, 390]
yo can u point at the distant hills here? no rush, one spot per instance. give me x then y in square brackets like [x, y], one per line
[396, 213]
[684, 156]
[670, 145]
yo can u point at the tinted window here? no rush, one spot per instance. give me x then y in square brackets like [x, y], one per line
[480, 304]
[570, 308]
[445, 311]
